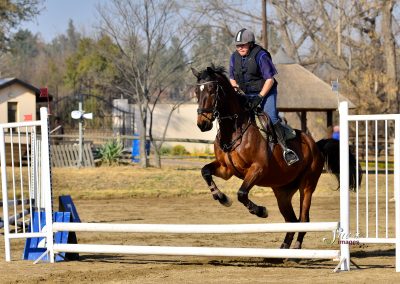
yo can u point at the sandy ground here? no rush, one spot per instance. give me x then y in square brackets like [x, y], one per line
[375, 263]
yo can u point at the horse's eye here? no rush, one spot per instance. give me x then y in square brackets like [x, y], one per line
[201, 88]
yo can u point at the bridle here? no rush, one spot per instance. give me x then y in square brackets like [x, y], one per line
[212, 109]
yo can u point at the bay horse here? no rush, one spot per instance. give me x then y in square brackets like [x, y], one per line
[240, 150]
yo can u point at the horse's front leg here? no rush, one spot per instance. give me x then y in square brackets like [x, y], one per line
[215, 168]
[253, 174]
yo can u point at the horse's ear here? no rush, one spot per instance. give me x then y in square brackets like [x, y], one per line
[210, 70]
[195, 73]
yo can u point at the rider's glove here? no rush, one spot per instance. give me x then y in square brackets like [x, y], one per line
[255, 101]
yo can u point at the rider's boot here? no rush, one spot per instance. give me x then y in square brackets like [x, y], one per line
[288, 155]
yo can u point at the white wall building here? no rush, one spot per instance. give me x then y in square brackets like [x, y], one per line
[183, 124]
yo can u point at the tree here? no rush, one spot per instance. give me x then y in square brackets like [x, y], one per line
[389, 50]
[89, 71]
[225, 17]
[343, 39]
[24, 48]
[143, 32]
[13, 12]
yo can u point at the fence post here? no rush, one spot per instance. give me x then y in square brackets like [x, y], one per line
[397, 189]
[344, 186]
[5, 197]
[46, 181]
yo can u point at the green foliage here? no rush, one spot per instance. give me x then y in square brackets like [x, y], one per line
[24, 44]
[24, 47]
[12, 13]
[90, 68]
[111, 152]
[166, 150]
[208, 151]
[179, 150]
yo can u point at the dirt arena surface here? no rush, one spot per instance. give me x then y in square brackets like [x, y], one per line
[375, 263]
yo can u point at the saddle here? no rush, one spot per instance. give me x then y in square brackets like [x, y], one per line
[267, 130]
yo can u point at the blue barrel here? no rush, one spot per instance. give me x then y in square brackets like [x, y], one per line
[136, 149]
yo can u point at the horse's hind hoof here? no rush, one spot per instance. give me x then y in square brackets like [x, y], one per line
[284, 246]
[225, 200]
[262, 212]
[297, 245]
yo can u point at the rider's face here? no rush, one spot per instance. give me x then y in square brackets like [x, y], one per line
[243, 49]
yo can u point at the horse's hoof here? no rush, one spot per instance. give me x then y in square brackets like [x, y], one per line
[297, 245]
[225, 200]
[262, 212]
[284, 246]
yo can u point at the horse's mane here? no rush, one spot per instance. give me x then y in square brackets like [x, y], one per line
[220, 70]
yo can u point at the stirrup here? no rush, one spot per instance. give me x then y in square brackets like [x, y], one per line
[294, 157]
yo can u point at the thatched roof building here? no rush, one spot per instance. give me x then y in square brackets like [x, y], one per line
[301, 91]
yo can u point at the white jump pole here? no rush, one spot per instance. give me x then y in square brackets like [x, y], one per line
[198, 229]
[198, 251]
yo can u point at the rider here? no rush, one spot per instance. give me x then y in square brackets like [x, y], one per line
[252, 71]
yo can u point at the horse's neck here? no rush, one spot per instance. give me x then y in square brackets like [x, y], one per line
[233, 118]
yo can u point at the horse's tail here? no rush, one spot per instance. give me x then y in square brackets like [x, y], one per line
[331, 152]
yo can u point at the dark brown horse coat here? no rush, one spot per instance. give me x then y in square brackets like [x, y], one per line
[240, 150]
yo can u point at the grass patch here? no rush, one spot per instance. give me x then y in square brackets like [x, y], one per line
[133, 181]
[110, 182]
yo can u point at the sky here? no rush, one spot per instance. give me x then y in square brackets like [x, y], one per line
[53, 19]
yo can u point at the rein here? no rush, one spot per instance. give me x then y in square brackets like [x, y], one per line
[229, 147]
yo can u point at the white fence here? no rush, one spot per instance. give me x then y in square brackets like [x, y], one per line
[25, 175]
[373, 218]
[361, 229]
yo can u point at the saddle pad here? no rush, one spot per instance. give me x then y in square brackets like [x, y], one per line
[261, 127]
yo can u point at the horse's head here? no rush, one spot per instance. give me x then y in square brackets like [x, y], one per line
[206, 91]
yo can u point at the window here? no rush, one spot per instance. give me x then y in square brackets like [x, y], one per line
[12, 111]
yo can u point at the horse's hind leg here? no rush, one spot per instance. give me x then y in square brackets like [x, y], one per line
[284, 198]
[216, 169]
[305, 204]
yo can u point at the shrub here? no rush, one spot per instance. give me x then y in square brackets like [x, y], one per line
[166, 150]
[208, 151]
[179, 150]
[111, 152]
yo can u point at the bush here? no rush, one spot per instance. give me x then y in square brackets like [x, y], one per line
[111, 152]
[208, 151]
[166, 150]
[179, 150]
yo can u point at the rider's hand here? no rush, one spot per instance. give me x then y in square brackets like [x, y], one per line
[239, 91]
[254, 102]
